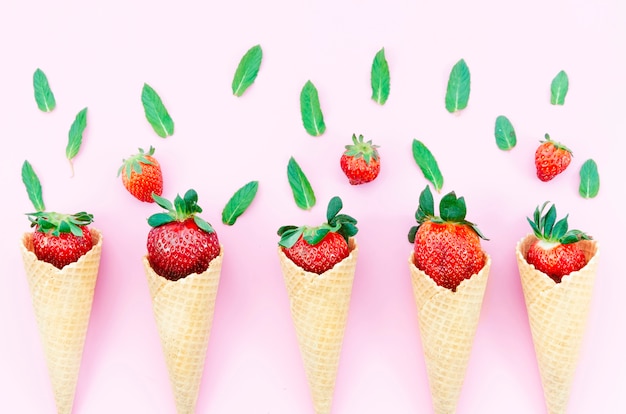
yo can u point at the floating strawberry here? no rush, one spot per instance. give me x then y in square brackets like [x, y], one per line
[318, 249]
[556, 251]
[360, 161]
[180, 242]
[142, 176]
[551, 159]
[446, 247]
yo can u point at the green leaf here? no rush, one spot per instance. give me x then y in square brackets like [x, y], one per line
[289, 235]
[43, 94]
[334, 206]
[452, 208]
[301, 188]
[247, 70]
[156, 113]
[589, 179]
[159, 219]
[75, 136]
[312, 116]
[33, 186]
[505, 134]
[458, 92]
[559, 88]
[426, 206]
[239, 202]
[427, 163]
[380, 78]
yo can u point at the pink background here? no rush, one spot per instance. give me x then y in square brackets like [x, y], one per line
[99, 56]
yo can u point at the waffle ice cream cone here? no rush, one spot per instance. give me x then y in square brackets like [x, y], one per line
[447, 323]
[319, 309]
[183, 311]
[62, 300]
[557, 313]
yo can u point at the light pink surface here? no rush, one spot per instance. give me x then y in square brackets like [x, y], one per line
[99, 56]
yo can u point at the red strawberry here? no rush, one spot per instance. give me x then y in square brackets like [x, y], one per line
[58, 239]
[447, 247]
[360, 161]
[180, 242]
[551, 159]
[61, 239]
[555, 252]
[142, 175]
[318, 249]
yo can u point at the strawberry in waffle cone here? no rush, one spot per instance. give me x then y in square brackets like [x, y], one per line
[183, 268]
[449, 272]
[318, 265]
[61, 260]
[557, 269]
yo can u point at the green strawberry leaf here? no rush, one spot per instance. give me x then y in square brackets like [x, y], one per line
[43, 94]
[289, 235]
[247, 70]
[239, 202]
[159, 219]
[560, 228]
[312, 116]
[314, 235]
[426, 207]
[380, 78]
[202, 224]
[452, 208]
[156, 113]
[75, 136]
[300, 186]
[589, 179]
[412, 233]
[548, 221]
[334, 206]
[458, 92]
[559, 88]
[428, 164]
[33, 186]
[505, 134]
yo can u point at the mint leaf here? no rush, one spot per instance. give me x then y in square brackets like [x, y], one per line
[43, 94]
[589, 179]
[380, 78]
[458, 92]
[559, 88]
[312, 117]
[301, 188]
[427, 163]
[239, 202]
[247, 70]
[33, 186]
[156, 113]
[505, 134]
[75, 136]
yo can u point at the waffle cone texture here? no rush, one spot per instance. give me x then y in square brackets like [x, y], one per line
[183, 312]
[447, 323]
[62, 300]
[557, 313]
[319, 309]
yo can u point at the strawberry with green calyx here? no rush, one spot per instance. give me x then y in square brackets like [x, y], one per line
[58, 239]
[180, 242]
[141, 175]
[360, 161]
[555, 252]
[446, 247]
[318, 249]
[551, 159]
